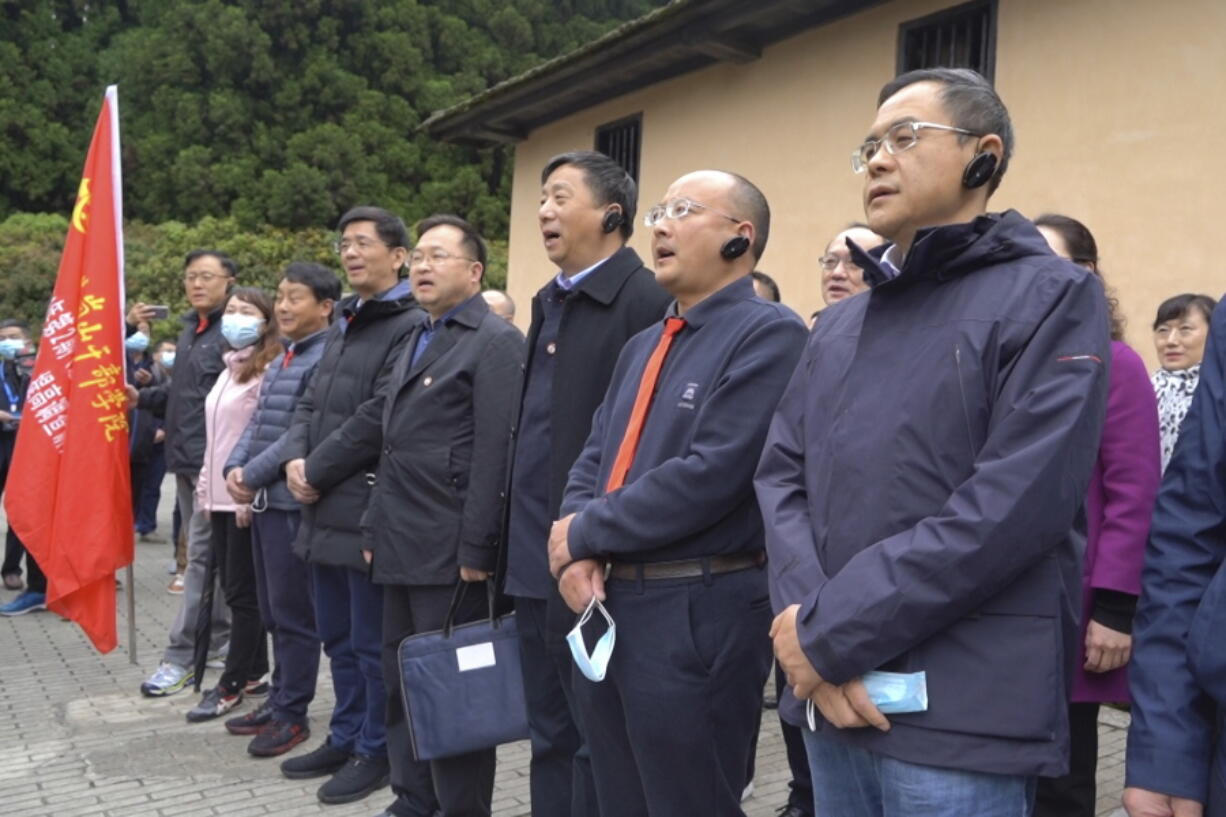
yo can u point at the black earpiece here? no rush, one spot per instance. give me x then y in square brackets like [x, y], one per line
[979, 170]
[734, 247]
[612, 220]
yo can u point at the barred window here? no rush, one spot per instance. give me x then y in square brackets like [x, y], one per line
[960, 37]
[621, 142]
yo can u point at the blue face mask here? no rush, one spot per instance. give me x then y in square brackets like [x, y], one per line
[137, 342]
[592, 666]
[168, 359]
[10, 348]
[240, 331]
[893, 693]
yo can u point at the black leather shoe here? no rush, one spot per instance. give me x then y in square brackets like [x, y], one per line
[360, 777]
[327, 759]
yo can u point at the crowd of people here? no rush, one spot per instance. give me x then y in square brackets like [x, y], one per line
[948, 482]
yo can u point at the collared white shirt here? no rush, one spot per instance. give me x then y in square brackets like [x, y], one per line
[573, 281]
[890, 263]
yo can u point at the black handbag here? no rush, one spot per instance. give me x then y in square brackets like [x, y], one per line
[462, 685]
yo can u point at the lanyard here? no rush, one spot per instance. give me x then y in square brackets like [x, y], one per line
[9, 393]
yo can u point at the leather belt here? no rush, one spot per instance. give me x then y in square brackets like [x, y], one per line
[687, 568]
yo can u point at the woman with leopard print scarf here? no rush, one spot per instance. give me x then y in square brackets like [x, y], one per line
[1180, 331]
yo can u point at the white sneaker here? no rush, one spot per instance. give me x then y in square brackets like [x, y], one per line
[167, 679]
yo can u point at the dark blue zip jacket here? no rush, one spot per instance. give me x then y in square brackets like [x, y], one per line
[922, 488]
[260, 451]
[1178, 672]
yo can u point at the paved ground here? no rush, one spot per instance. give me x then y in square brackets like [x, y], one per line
[76, 738]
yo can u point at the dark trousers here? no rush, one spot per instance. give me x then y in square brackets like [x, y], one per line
[248, 656]
[460, 786]
[561, 770]
[149, 494]
[800, 787]
[283, 587]
[1073, 795]
[670, 726]
[348, 620]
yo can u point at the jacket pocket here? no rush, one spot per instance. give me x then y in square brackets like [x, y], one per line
[992, 674]
[1206, 646]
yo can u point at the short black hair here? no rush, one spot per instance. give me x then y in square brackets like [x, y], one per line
[323, 283]
[10, 323]
[972, 103]
[608, 181]
[472, 241]
[1172, 309]
[227, 263]
[388, 225]
[752, 206]
[768, 282]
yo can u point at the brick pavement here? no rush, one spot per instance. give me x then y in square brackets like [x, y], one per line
[77, 739]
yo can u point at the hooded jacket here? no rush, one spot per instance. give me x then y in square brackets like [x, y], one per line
[357, 360]
[922, 487]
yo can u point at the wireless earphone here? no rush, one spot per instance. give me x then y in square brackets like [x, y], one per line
[734, 247]
[979, 170]
[612, 220]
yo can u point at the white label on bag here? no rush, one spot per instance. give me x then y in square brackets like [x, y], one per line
[476, 656]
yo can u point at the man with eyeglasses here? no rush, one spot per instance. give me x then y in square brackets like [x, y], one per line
[600, 296]
[332, 478]
[207, 277]
[841, 277]
[923, 481]
[441, 437]
[660, 523]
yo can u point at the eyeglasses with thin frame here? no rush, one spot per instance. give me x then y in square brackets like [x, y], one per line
[417, 258]
[830, 262]
[680, 208]
[362, 243]
[899, 138]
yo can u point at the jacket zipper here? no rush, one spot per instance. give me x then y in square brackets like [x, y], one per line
[966, 412]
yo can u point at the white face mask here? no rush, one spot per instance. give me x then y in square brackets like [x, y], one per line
[592, 666]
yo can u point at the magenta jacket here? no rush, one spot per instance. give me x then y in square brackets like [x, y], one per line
[227, 409]
[1119, 505]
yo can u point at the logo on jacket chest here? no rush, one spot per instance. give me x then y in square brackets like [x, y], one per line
[687, 396]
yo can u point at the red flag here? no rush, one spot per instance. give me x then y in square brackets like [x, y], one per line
[69, 496]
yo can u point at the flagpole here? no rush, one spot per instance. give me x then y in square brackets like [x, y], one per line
[112, 96]
[131, 585]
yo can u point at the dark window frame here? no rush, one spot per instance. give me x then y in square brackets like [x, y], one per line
[941, 19]
[635, 121]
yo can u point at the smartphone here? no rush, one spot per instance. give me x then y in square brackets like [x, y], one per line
[161, 312]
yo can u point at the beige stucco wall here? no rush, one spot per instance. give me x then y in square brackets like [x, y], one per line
[1114, 105]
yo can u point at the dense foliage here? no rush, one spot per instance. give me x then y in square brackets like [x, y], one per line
[271, 116]
[30, 247]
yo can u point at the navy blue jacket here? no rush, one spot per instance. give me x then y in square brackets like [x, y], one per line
[614, 302]
[689, 492]
[1178, 672]
[922, 488]
[260, 452]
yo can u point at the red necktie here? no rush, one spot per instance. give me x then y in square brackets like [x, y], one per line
[288, 357]
[642, 402]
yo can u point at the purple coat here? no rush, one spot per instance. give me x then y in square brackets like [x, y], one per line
[1119, 505]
